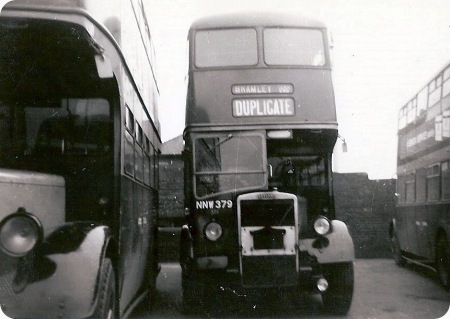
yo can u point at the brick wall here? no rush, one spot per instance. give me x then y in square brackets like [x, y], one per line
[364, 205]
[171, 193]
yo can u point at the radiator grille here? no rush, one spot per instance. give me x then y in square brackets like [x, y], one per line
[278, 212]
[268, 240]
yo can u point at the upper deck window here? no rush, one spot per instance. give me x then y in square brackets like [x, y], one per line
[232, 47]
[284, 46]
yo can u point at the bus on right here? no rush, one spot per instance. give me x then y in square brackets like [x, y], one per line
[420, 229]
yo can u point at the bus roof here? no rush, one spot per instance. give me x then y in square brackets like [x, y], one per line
[249, 19]
[50, 3]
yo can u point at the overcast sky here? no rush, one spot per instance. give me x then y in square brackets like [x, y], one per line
[385, 51]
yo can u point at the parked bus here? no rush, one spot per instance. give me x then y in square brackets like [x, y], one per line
[420, 229]
[260, 130]
[79, 140]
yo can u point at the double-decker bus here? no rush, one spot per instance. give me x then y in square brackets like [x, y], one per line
[260, 130]
[420, 229]
[79, 140]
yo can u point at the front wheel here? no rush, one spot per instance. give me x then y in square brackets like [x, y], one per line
[192, 294]
[337, 299]
[106, 304]
[443, 260]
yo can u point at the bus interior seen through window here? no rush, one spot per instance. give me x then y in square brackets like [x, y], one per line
[228, 162]
[33, 131]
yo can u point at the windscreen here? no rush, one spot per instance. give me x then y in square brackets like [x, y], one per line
[228, 162]
[233, 47]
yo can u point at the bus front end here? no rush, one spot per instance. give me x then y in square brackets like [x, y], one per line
[261, 218]
[260, 130]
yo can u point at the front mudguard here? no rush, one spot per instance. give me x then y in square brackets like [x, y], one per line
[335, 247]
[60, 279]
[186, 246]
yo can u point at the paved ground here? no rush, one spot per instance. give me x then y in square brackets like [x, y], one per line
[382, 291]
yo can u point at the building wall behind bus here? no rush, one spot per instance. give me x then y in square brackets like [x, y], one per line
[365, 205]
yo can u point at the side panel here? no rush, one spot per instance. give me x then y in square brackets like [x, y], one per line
[417, 227]
[406, 228]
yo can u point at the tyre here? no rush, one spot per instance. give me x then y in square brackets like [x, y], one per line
[337, 299]
[396, 250]
[443, 260]
[106, 304]
[192, 294]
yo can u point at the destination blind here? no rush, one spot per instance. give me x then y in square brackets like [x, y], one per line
[263, 107]
[262, 89]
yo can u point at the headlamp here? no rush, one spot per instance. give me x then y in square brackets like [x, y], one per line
[213, 231]
[322, 225]
[19, 234]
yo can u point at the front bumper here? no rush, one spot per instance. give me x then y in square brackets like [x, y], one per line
[301, 269]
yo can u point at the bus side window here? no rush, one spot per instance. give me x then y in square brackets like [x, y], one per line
[421, 185]
[445, 175]
[433, 187]
[410, 188]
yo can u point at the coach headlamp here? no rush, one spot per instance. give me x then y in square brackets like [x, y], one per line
[19, 234]
[322, 225]
[213, 231]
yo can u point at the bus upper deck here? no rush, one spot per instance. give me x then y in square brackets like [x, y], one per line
[257, 69]
[424, 121]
